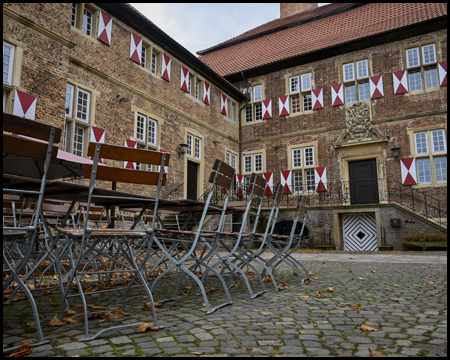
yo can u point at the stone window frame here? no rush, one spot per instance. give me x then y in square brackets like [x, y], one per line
[253, 104]
[300, 92]
[232, 109]
[356, 81]
[72, 122]
[192, 139]
[247, 174]
[422, 68]
[190, 156]
[151, 52]
[77, 18]
[431, 155]
[15, 74]
[306, 171]
[231, 155]
[195, 92]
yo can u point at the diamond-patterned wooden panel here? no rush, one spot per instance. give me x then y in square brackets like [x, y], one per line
[360, 233]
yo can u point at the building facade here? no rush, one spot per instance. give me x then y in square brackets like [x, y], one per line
[346, 103]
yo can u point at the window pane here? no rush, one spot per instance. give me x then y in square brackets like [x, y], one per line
[258, 111]
[74, 14]
[412, 57]
[431, 78]
[421, 143]
[297, 178]
[350, 94]
[415, 80]
[364, 91]
[429, 54]
[424, 170]
[309, 156]
[83, 105]
[78, 141]
[307, 102]
[362, 68]
[440, 169]
[151, 132]
[248, 114]
[293, 81]
[69, 100]
[87, 22]
[297, 158]
[8, 57]
[310, 179]
[143, 56]
[438, 139]
[248, 164]
[190, 140]
[154, 63]
[257, 93]
[140, 127]
[198, 146]
[258, 163]
[349, 72]
[295, 104]
[306, 82]
[234, 161]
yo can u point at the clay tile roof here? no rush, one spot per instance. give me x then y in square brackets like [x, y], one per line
[314, 30]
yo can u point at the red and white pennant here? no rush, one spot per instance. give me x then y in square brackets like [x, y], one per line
[284, 105]
[409, 174]
[136, 48]
[184, 79]
[286, 181]
[267, 109]
[24, 105]
[104, 28]
[337, 94]
[269, 183]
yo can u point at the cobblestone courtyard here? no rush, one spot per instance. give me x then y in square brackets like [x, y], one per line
[406, 302]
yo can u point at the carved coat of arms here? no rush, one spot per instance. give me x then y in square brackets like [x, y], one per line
[358, 121]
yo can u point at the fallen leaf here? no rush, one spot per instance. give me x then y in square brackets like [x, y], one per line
[306, 281]
[376, 355]
[430, 282]
[368, 328]
[358, 306]
[310, 273]
[117, 315]
[70, 312]
[55, 304]
[143, 328]
[342, 305]
[302, 332]
[78, 319]
[195, 353]
[188, 288]
[144, 297]
[281, 286]
[318, 293]
[316, 278]
[330, 289]
[95, 307]
[248, 272]
[31, 323]
[397, 285]
[373, 271]
[304, 297]
[56, 322]
[25, 349]
[350, 270]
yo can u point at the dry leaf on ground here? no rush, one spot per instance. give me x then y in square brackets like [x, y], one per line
[368, 328]
[318, 293]
[330, 289]
[304, 297]
[358, 306]
[302, 332]
[25, 349]
[310, 273]
[376, 355]
[31, 323]
[56, 322]
[373, 271]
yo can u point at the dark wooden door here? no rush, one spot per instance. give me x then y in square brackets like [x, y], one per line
[192, 181]
[363, 182]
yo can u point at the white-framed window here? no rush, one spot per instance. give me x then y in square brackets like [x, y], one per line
[78, 119]
[300, 93]
[146, 131]
[431, 156]
[302, 165]
[421, 63]
[253, 163]
[231, 159]
[8, 62]
[355, 76]
[253, 111]
[150, 58]
[194, 148]
[85, 17]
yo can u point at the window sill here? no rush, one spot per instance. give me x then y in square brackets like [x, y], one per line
[193, 98]
[80, 32]
[430, 185]
[156, 76]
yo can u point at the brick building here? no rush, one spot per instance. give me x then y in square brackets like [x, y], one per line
[319, 94]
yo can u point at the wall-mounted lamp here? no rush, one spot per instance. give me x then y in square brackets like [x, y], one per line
[216, 142]
[396, 153]
[122, 99]
[183, 148]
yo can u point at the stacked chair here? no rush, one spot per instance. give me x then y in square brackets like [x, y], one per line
[21, 237]
[97, 255]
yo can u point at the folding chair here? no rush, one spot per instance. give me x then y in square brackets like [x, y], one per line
[19, 240]
[237, 255]
[178, 246]
[107, 253]
[284, 246]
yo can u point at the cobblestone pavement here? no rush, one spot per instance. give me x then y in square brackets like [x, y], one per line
[405, 300]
